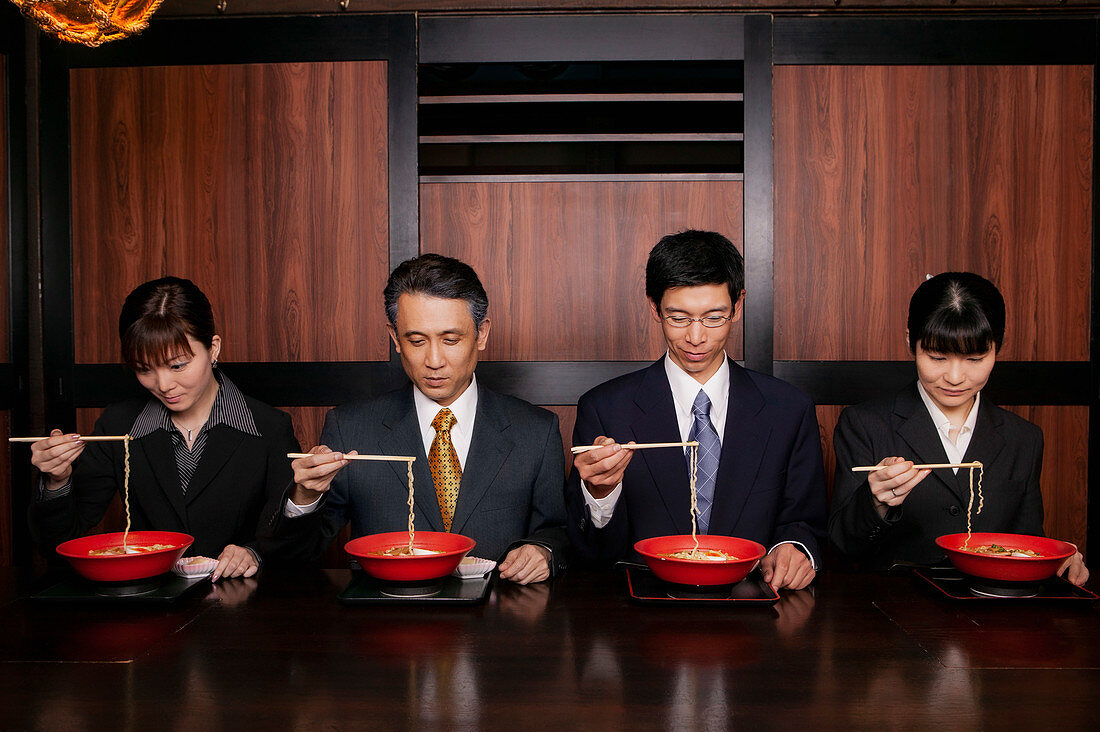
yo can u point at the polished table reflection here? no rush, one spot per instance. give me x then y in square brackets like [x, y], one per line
[279, 651]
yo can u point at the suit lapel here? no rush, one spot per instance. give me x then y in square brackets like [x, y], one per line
[403, 438]
[657, 423]
[743, 443]
[916, 428]
[490, 445]
[985, 445]
[221, 443]
[156, 449]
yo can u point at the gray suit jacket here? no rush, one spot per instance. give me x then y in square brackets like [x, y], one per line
[512, 479]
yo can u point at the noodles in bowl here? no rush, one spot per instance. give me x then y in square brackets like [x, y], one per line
[105, 558]
[386, 556]
[1006, 563]
[718, 560]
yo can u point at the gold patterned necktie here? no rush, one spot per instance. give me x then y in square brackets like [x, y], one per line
[443, 462]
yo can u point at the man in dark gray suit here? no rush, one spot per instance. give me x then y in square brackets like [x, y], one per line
[488, 466]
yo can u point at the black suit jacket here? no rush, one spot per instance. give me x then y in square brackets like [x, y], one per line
[511, 490]
[770, 485]
[234, 493]
[1010, 448]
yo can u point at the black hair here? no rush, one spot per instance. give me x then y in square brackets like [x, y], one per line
[956, 312]
[158, 316]
[693, 258]
[436, 276]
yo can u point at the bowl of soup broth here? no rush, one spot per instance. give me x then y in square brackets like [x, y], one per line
[387, 556]
[718, 560]
[123, 557]
[1007, 557]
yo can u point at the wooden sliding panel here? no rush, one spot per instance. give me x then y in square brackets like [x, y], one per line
[886, 173]
[264, 183]
[564, 262]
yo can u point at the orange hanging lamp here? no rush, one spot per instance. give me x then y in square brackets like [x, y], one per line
[90, 22]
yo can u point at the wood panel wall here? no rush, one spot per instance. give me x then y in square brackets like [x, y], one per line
[564, 262]
[7, 528]
[266, 184]
[886, 173]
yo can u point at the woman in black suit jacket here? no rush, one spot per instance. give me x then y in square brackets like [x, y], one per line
[956, 326]
[204, 459]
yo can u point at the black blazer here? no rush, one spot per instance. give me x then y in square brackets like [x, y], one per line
[511, 490]
[1010, 448]
[236, 486]
[770, 485]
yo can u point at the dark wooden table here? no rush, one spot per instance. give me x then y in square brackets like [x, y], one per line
[280, 652]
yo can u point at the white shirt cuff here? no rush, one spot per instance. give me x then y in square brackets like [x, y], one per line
[600, 510]
[293, 510]
[801, 546]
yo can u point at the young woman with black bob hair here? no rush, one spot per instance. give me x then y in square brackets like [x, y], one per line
[205, 459]
[956, 327]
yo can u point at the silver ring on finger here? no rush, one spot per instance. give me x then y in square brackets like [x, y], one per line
[894, 492]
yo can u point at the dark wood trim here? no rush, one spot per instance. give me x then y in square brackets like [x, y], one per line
[583, 98]
[226, 40]
[579, 177]
[933, 40]
[1093, 493]
[580, 37]
[328, 383]
[759, 200]
[1013, 382]
[401, 54]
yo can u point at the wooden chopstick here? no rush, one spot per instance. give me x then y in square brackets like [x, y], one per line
[873, 468]
[84, 438]
[645, 445]
[391, 458]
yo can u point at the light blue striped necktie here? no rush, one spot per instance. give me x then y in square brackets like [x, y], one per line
[710, 449]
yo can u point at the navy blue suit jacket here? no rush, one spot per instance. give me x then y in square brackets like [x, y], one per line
[770, 485]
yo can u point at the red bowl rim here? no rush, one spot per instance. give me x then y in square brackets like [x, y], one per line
[397, 538]
[949, 543]
[69, 550]
[642, 547]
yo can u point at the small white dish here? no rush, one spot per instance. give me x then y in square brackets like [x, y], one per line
[193, 567]
[474, 568]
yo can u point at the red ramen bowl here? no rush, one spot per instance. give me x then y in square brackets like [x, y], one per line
[700, 571]
[124, 567]
[452, 548]
[1007, 568]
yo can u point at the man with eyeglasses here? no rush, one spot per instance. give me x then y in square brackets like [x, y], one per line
[759, 472]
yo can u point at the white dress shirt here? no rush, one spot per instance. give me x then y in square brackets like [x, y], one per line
[956, 448]
[464, 408]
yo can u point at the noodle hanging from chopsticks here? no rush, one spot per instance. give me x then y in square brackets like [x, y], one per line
[694, 453]
[970, 503]
[126, 487]
[412, 534]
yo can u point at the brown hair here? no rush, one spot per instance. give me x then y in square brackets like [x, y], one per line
[157, 318]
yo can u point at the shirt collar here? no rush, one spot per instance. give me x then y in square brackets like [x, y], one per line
[229, 408]
[943, 424]
[685, 388]
[464, 408]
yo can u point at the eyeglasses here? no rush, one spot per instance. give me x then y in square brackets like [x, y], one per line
[710, 321]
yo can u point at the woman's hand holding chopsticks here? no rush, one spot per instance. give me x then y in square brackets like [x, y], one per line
[54, 456]
[890, 485]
